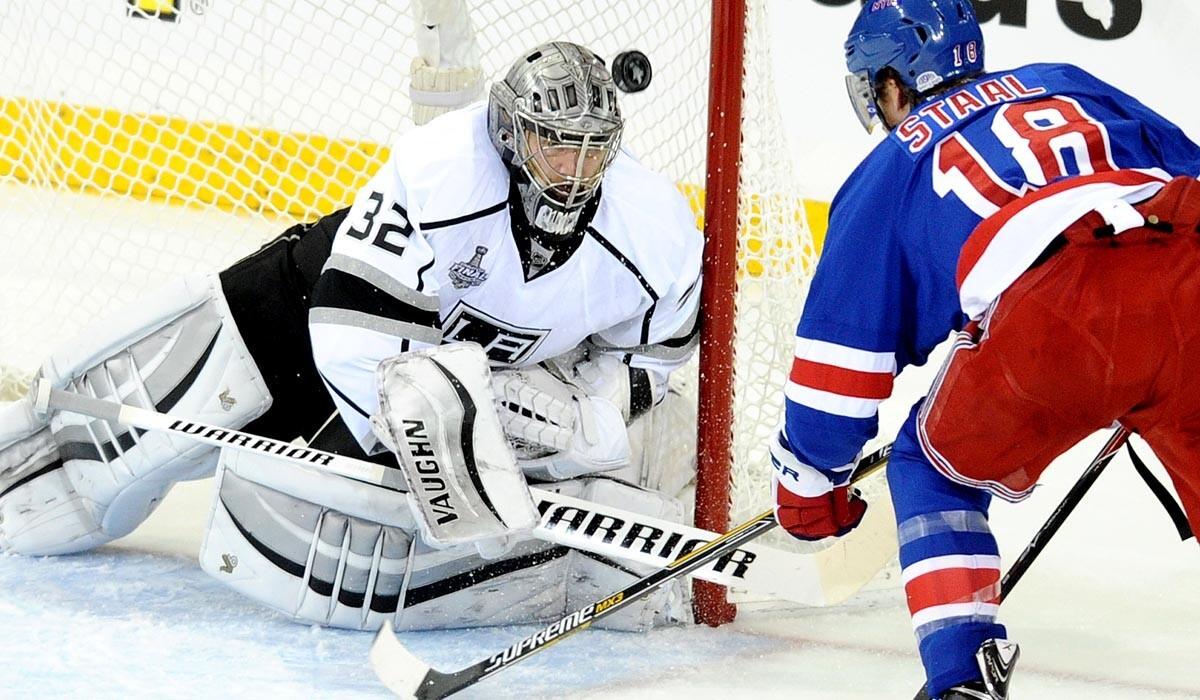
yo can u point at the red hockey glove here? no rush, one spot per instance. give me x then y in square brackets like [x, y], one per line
[807, 503]
[817, 517]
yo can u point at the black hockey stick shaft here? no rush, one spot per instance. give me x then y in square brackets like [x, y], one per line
[435, 684]
[1042, 537]
[438, 685]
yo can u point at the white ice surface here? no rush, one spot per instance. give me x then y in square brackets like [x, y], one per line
[1108, 612]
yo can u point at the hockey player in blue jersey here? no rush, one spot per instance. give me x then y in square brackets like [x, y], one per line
[1028, 210]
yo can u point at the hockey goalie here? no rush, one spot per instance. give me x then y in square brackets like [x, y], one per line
[502, 304]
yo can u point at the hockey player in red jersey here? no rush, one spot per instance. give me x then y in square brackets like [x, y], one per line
[1052, 222]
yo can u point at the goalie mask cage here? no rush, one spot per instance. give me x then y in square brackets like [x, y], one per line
[143, 139]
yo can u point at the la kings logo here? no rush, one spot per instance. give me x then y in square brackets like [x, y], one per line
[539, 256]
[503, 342]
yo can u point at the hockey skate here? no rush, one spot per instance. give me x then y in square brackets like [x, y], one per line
[996, 658]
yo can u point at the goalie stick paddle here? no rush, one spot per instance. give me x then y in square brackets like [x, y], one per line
[409, 677]
[1042, 537]
[824, 578]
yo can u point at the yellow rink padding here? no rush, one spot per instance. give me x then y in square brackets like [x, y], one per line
[266, 171]
[155, 8]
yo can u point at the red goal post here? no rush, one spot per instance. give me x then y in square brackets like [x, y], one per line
[759, 256]
[715, 387]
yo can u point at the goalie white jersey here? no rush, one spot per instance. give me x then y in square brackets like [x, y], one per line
[431, 252]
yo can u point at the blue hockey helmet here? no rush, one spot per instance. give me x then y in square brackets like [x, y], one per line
[927, 42]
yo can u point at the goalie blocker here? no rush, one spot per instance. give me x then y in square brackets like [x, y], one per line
[436, 413]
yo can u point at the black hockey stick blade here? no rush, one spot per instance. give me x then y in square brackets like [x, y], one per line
[409, 677]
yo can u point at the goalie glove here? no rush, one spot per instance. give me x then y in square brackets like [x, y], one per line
[808, 503]
[557, 431]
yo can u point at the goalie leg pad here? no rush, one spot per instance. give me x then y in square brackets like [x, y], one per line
[315, 546]
[328, 550]
[538, 582]
[179, 351]
[456, 587]
[591, 578]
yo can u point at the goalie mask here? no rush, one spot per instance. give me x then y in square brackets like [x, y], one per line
[555, 122]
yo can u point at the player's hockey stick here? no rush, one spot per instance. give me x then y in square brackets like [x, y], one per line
[409, 677]
[1042, 537]
[825, 578]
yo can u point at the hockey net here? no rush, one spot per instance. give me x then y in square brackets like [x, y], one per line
[143, 139]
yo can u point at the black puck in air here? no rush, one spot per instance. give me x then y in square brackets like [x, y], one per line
[631, 71]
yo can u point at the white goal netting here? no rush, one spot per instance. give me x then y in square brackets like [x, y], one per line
[142, 139]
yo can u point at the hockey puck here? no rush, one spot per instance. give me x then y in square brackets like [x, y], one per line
[631, 71]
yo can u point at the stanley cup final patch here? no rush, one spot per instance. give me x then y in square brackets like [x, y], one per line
[469, 273]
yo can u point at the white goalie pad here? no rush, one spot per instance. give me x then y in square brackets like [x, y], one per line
[324, 549]
[315, 546]
[436, 413]
[538, 582]
[179, 351]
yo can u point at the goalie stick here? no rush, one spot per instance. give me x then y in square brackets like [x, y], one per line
[824, 578]
[409, 677]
